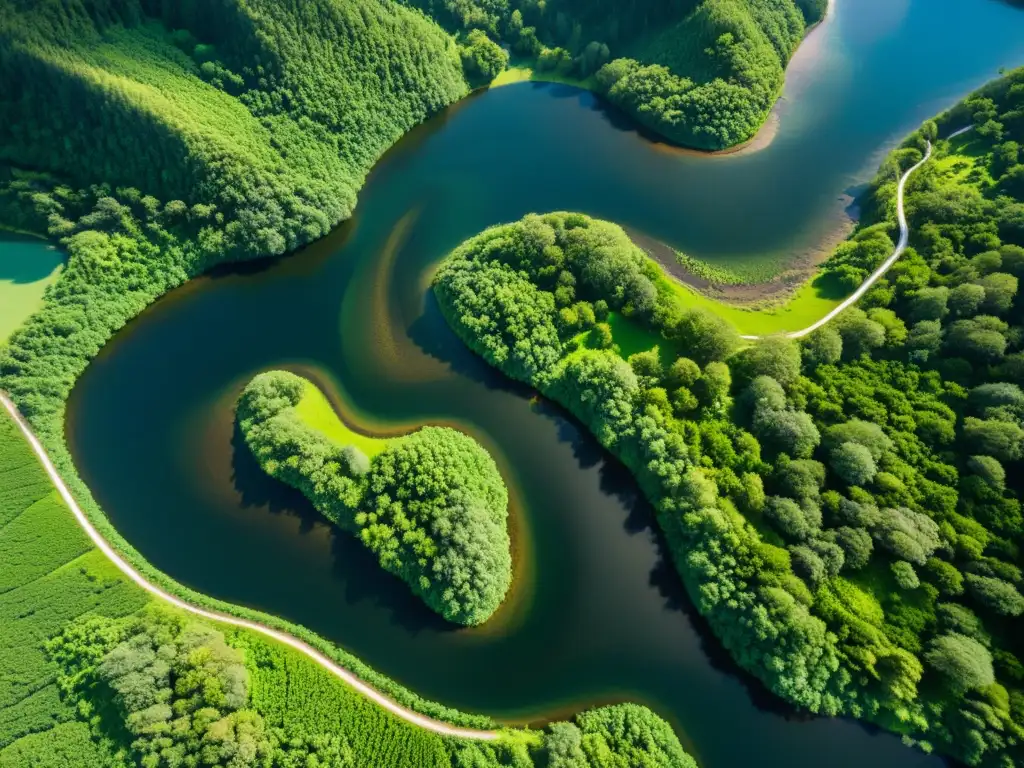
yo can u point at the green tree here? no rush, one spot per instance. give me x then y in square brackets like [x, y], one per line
[964, 663]
[776, 356]
[706, 337]
[995, 594]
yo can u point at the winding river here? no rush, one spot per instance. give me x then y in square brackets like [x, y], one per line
[597, 613]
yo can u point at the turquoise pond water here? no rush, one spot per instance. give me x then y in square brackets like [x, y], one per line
[27, 266]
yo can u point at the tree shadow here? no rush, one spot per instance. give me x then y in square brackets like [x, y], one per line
[258, 490]
[431, 333]
[829, 286]
[365, 581]
[570, 430]
[303, 260]
[616, 480]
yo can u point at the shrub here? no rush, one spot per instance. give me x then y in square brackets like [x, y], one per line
[964, 663]
[853, 463]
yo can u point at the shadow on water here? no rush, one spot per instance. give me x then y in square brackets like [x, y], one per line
[433, 336]
[313, 257]
[366, 582]
[258, 490]
[624, 123]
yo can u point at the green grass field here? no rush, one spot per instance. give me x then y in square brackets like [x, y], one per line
[808, 304]
[524, 71]
[316, 410]
[49, 576]
[968, 156]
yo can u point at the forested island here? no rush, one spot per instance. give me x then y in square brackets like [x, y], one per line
[845, 511]
[430, 505]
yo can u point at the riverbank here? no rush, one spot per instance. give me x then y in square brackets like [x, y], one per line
[523, 70]
[812, 305]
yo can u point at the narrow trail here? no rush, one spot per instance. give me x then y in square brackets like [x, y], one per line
[884, 267]
[128, 570]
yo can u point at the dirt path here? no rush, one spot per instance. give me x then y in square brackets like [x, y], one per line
[128, 570]
[884, 267]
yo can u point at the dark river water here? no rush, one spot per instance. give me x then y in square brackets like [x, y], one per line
[596, 614]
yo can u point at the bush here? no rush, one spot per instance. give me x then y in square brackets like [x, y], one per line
[777, 357]
[995, 594]
[964, 663]
[787, 516]
[705, 337]
[853, 463]
[905, 575]
[482, 58]
[856, 545]
[822, 347]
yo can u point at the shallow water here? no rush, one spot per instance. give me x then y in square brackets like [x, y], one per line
[597, 614]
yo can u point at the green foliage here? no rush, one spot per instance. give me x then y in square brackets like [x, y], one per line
[706, 337]
[630, 735]
[822, 347]
[709, 80]
[776, 356]
[253, 143]
[309, 713]
[853, 463]
[49, 576]
[66, 745]
[703, 73]
[177, 689]
[995, 594]
[239, 108]
[482, 58]
[905, 575]
[431, 506]
[964, 663]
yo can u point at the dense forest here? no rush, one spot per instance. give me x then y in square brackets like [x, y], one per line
[431, 505]
[155, 139]
[845, 511]
[703, 73]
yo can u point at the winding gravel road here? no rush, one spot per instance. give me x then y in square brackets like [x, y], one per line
[901, 246]
[128, 570]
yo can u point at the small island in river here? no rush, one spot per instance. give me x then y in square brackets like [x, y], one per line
[430, 505]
